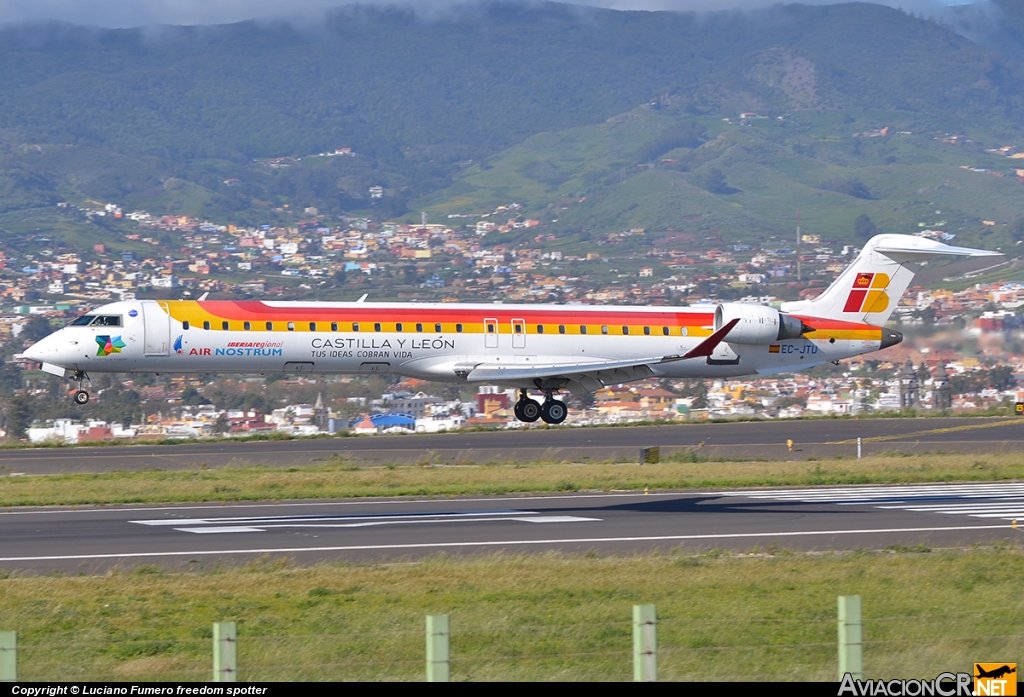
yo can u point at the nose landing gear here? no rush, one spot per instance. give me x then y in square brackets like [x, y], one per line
[552, 411]
[81, 397]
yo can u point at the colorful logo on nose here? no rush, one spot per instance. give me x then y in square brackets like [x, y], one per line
[109, 344]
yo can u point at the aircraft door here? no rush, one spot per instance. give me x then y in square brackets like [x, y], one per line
[490, 332]
[156, 321]
[518, 333]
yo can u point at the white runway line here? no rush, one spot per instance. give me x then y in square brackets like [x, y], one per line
[262, 524]
[1003, 501]
[495, 543]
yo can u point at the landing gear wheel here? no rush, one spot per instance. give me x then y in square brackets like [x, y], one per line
[81, 397]
[553, 411]
[528, 410]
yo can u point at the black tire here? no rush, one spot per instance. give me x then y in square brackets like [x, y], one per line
[518, 411]
[81, 397]
[554, 412]
[529, 410]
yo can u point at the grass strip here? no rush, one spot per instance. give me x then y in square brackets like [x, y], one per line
[339, 478]
[764, 615]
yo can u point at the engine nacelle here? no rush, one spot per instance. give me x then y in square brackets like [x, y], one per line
[758, 324]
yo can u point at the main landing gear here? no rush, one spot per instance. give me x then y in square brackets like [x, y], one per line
[81, 397]
[552, 411]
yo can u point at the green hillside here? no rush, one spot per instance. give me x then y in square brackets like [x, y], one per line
[506, 101]
[811, 162]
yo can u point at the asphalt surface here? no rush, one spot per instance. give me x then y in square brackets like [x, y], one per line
[755, 439]
[92, 540]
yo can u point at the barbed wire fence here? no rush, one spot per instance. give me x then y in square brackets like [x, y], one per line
[473, 647]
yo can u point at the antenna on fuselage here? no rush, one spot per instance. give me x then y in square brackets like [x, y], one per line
[364, 296]
[203, 296]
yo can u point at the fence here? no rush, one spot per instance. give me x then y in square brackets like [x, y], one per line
[328, 656]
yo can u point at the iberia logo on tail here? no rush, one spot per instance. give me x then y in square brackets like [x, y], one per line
[868, 294]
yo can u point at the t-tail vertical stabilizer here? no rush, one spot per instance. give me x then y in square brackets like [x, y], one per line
[869, 289]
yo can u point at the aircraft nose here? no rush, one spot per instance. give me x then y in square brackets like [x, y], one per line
[46, 350]
[36, 352]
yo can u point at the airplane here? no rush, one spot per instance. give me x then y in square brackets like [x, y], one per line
[546, 349]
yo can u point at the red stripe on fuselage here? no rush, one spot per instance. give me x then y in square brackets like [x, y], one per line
[256, 310]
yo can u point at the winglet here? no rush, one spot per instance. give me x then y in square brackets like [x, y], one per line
[706, 347]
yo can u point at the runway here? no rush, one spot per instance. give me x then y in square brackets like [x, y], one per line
[91, 540]
[755, 439]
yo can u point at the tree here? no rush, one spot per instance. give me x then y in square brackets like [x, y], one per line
[35, 329]
[714, 181]
[10, 378]
[191, 397]
[863, 228]
[698, 391]
[19, 416]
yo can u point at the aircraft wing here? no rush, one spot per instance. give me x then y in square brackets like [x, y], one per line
[592, 375]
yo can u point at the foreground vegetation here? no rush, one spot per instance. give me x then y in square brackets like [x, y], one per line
[340, 478]
[760, 616]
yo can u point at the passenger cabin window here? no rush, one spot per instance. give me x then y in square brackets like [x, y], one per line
[625, 330]
[664, 330]
[458, 328]
[334, 326]
[206, 325]
[519, 329]
[604, 328]
[398, 327]
[583, 329]
[437, 328]
[419, 326]
[291, 326]
[540, 328]
[355, 326]
[246, 326]
[561, 329]
[312, 326]
[270, 326]
[647, 331]
[185, 325]
[376, 326]
[224, 326]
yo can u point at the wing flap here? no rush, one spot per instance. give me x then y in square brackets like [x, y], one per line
[606, 372]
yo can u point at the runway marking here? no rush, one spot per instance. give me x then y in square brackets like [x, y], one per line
[44, 510]
[498, 543]
[929, 432]
[990, 500]
[321, 522]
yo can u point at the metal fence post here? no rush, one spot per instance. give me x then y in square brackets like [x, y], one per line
[851, 649]
[8, 656]
[645, 643]
[225, 652]
[438, 657]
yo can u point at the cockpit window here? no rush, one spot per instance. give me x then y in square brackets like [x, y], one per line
[97, 321]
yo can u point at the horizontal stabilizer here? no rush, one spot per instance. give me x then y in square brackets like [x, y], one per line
[870, 288]
[908, 248]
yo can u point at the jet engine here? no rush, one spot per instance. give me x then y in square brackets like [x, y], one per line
[758, 324]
